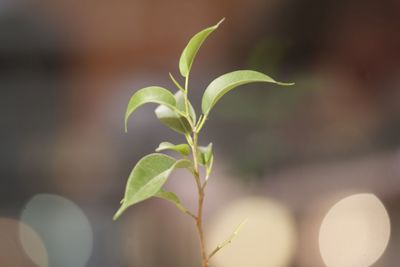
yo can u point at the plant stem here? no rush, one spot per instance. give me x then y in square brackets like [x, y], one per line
[199, 224]
[200, 187]
[201, 195]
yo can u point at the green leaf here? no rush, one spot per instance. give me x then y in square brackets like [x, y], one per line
[180, 105]
[223, 84]
[152, 94]
[191, 49]
[173, 119]
[183, 149]
[173, 198]
[148, 177]
[204, 154]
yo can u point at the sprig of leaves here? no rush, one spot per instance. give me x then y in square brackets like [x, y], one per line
[148, 177]
[177, 113]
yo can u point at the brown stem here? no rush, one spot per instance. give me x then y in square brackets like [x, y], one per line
[200, 187]
[199, 217]
[199, 225]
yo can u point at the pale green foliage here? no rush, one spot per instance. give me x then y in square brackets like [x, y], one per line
[223, 84]
[171, 197]
[172, 119]
[204, 154]
[148, 177]
[190, 51]
[152, 94]
[177, 113]
[183, 149]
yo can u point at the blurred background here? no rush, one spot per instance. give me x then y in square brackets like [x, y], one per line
[284, 156]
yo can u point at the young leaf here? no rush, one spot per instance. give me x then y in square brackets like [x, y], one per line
[173, 198]
[148, 177]
[191, 49]
[180, 105]
[183, 149]
[152, 94]
[173, 119]
[209, 168]
[223, 84]
[228, 240]
[204, 154]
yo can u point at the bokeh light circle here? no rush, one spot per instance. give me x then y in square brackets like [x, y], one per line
[63, 227]
[267, 239]
[355, 232]
[31, 252]
[33, 245]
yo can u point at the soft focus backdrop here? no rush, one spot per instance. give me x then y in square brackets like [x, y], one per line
[286, 155]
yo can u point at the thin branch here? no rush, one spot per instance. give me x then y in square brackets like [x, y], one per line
[176, 83]
[228, 241]
[198, 122]
[200, 188]
[191, 214]
[201, 123]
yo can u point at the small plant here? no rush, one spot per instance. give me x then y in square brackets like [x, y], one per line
[176, 112]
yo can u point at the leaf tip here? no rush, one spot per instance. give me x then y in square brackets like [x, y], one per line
[171, 76]
[241, 225]
[219, 22]
[285, 84]
[116, 216]
[126, 122]
[238, 228]
[119, 212]
[126, 128]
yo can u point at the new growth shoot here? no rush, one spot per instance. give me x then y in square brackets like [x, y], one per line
[177, 113]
